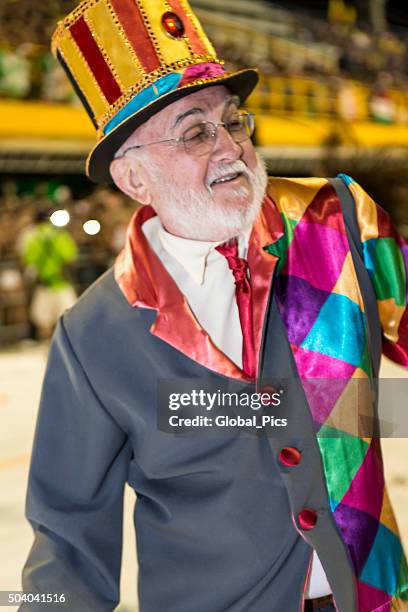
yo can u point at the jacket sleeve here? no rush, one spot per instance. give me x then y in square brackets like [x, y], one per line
[75, 490]
[386, 259]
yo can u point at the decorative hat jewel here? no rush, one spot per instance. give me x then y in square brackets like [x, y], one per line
[173, 24]
[128, 59]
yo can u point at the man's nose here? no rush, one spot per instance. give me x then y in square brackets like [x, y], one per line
[225, 146]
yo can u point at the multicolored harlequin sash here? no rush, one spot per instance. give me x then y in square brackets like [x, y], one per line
[322, 308]
[323, 312]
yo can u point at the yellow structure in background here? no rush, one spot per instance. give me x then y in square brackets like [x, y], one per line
[44, 120]
[339, 12]
[331, 96]
[301, 132]
[293, 111]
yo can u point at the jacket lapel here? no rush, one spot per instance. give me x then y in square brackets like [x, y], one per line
[146, 284]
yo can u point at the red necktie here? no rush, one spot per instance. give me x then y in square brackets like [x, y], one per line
[239, 267]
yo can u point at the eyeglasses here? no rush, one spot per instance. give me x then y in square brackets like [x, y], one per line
[200, 139]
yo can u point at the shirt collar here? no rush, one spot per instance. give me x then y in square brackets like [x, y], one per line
[144, 281]
[193, 254]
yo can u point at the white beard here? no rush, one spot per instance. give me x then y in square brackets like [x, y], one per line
[197, 216]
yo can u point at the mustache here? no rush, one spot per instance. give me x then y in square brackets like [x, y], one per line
[237, 166]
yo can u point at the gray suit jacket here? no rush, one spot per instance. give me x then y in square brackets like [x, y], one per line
[214, 516]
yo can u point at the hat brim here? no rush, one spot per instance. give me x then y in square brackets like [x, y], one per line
[241, 83]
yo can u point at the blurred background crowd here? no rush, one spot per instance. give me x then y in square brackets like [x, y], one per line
[329, 44]
[333, 96]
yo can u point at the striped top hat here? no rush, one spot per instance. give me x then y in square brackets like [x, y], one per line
[128, 59]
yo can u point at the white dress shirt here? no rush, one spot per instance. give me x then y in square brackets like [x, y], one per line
[208, 285]
[210, 291]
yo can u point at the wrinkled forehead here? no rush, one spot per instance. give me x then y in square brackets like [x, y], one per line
[204, 101]
[166, 122]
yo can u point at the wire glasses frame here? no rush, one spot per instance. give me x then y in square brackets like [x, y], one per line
[200, 138]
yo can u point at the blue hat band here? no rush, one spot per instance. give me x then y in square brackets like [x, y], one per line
[155, 91]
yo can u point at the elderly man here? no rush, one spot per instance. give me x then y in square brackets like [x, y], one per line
[227, 281]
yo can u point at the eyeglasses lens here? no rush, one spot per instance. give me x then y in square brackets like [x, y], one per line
[200, 139]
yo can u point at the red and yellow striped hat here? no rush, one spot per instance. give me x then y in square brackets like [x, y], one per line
[128, 59]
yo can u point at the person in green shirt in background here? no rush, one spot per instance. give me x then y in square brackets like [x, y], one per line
[48, 250]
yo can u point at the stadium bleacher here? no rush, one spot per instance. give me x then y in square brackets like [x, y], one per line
[332, 96]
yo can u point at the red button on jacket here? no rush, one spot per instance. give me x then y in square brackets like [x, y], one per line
[307, 519]
[290, 456]
[268, 389]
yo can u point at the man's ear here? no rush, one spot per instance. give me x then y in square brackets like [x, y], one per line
[127, 176]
